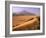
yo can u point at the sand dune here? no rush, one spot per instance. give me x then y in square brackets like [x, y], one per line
[26, 23]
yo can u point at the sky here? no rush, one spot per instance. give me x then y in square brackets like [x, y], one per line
[28, 9]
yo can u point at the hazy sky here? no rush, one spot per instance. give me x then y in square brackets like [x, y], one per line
[28, 9]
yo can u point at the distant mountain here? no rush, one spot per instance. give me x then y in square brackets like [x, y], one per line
[23, 13]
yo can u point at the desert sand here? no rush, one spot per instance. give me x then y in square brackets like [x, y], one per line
[26, 23]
